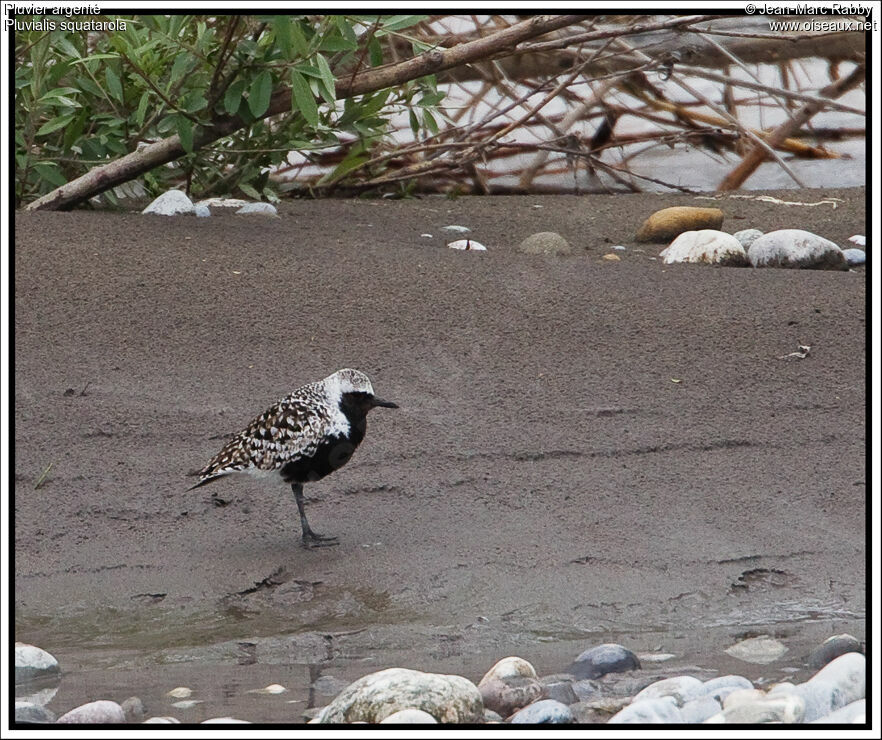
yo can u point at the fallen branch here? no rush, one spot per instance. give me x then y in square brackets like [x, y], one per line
[153, 155]
[758, 155]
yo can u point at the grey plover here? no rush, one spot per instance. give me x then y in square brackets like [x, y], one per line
[304, 436]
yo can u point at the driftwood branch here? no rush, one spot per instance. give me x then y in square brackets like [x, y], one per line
[153, 155]
[758, 155]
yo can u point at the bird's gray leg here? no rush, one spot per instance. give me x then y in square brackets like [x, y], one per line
[308, 537]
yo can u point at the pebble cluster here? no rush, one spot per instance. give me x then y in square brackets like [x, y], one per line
[605, 684]
[693, 234]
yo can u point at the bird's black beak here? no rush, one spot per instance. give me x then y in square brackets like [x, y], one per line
[380, 402]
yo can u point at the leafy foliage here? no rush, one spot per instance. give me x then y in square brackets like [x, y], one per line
[84, 99]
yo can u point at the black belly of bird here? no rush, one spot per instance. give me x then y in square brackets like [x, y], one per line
[332, 454]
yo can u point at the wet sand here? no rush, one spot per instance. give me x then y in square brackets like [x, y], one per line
[586, 450]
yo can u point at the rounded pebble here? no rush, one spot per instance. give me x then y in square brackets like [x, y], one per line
[746, 237]
[468, 245]
[855, 256]
[181, 692]
[161, 721]
[602, 659]
[544, 712]
[374, 697]
[707, 246]
[858, 239]
[783, 708]
[456, 228]
[202, 211]
[700, 709]
[795, 248]
[133, 708]
[668, 223]
[258, 209]
[170, 203]
[224, 721]
[719, 688]
[95, 712]
[545, 242]
[32, 663]
[681, 688]
[409, 716]
[511, 667]
[832, 648]
[651, 711]
[761, 650]
[559, 689]
[26, 711]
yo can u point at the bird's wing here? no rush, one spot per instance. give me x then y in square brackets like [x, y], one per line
[287, 430]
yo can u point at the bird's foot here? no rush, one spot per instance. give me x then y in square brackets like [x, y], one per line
[312, 539]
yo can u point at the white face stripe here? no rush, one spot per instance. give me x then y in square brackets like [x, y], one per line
[346, 381]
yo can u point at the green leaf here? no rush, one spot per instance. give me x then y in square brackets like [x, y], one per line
[233, 97]
[259, 94]
[302, 99]
[113, 84]
[327, 77]
[352, 161]
[185, 131]
[430, 122]
[53, 124]
[179, 68]
[249, 190]
[298, 40]
[375, 51]
[49, 171]
[399, 22]
[93, 57]
[142, 108]
[284, 36]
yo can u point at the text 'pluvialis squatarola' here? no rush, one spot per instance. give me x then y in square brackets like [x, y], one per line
[304, 436]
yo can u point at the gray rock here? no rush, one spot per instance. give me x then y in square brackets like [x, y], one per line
[832, 648]
[650, 711]
[491, 716]
[202, 211]
[843, 715]
[795, 248]
[161, 721]
[33, 663]
[783, 708]
[840, 682]
[707, 246]
[26, 711]
[681, 688]
[329, 685]
[410, 717]
[746, 237]
[545, 712]
[559, 689]
[374, 697]
[762, 649]
[855, 256]
[456, 228]
[719, 688]
[133, 708]
[598, 710]
[545, 242]
[858, 239]
[602, 659]
[700, 709]
[93, 713]
[170, 203]
[258, 209]
[507, 695]
[848, 673]
[586, 689]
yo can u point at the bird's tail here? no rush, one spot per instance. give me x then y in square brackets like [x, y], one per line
[209, 478]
